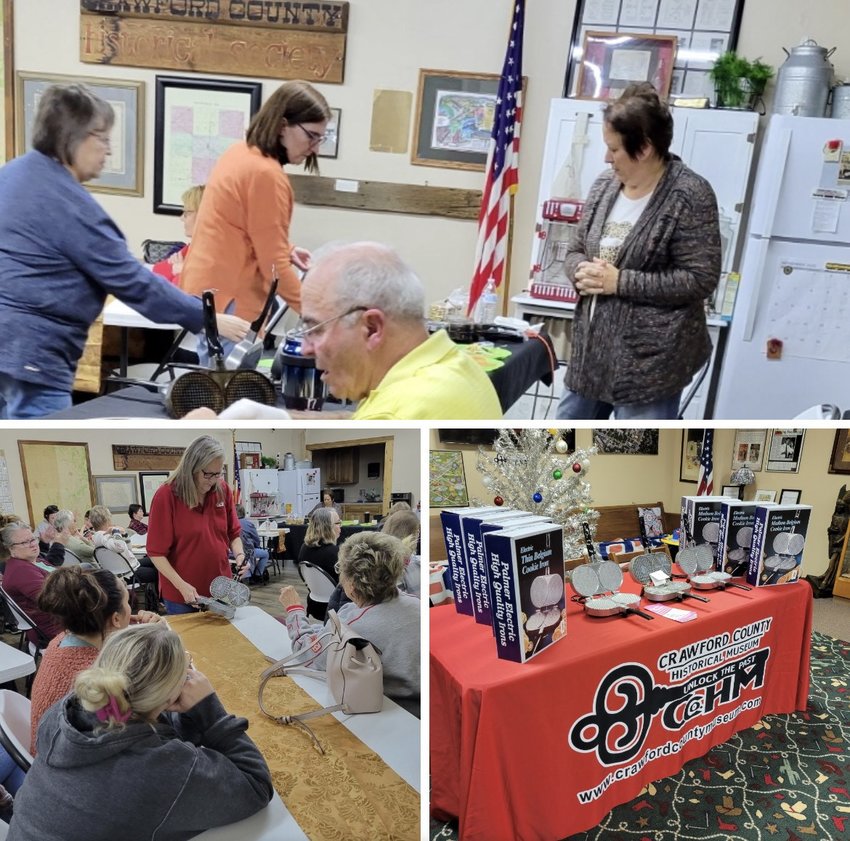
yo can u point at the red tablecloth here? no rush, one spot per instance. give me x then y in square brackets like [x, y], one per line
[509, 755]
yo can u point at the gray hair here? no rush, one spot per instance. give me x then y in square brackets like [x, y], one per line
[100, 517]
[8, 531]
[63, 518]
[195, 457]
[373, 563]
[371, 274]
[66, 115]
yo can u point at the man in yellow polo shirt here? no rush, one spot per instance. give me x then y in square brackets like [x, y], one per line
[363, 310]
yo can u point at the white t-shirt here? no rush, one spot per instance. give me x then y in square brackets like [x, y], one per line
[622, 218]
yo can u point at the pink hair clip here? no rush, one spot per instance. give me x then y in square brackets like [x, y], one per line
[112, 710]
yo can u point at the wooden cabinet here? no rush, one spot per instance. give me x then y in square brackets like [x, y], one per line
[340, 466]
[356, 510]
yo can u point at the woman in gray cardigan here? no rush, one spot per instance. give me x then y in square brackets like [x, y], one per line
[646, 256]
[141, 749]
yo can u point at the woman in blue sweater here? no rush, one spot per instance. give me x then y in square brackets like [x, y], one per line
[61, 254]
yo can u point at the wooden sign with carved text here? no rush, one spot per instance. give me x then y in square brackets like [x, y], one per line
[212, 48]
[291, 14]
[141, 457]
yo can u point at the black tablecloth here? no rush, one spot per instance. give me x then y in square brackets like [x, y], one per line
[295, 538]
[529, 361]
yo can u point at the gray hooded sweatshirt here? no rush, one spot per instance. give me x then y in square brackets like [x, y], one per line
[166, 782]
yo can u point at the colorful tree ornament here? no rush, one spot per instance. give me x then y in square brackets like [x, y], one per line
[561, 445]
[557, 474]
[577, 467]
[498, 501]
[538, 497]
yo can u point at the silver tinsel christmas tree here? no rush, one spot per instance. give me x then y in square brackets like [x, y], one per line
[532, 470]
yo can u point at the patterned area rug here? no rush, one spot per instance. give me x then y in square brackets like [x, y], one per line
[787, 778]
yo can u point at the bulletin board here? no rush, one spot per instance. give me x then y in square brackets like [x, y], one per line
[56, 473]
[703, 28]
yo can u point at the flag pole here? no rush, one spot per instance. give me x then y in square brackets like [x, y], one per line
[509, 250]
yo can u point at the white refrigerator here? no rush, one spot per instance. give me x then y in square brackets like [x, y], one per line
[299, 490]
[788, 343]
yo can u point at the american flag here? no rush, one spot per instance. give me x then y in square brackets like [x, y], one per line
[502, 166]
[237, 480]
[706, 464]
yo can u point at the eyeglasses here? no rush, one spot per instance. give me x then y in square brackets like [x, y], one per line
[212, 475]
[26, 542]
[102, 136]
[317, 329]
[315, 138]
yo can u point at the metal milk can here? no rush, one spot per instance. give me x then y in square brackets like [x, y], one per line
[804, 80]
[841, 101]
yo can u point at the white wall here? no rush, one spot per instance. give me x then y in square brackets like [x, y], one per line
[388, 42]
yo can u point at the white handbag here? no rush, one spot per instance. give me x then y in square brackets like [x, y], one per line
[353, 671]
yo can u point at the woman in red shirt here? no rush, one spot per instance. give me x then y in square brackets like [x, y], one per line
[192, 525]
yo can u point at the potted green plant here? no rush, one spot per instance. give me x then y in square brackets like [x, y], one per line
[268, 461]
[739, 83]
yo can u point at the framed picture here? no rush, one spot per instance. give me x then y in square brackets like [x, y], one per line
[840, 460]
[703, 30]
[117, 493]
[196, 120]
[689, 457]
[790, 496]
[749, 449]
[53, 471]
[150, 482]
[7, 83]
[732, 491]
[784, 450]
[765, 496]
[611, 61]
[330, 145]
[124, 170]
[454, 117]
[447, 480]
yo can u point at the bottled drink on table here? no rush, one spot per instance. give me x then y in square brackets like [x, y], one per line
[488, 304]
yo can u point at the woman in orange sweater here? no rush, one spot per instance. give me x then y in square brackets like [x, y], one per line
[90, 604]
[242, 227]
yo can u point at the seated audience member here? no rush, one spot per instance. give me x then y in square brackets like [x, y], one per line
[172, 266]
[327, 501]
[113, 765]
[68, 536]
[101, 520]
[88, 531]
[396, 506]
[320, 549]
[136, 513]
[256, 557]
[90, 604]
[405, 526]
[44, 530]
[23, 580]
[363, 311]
[370, 568]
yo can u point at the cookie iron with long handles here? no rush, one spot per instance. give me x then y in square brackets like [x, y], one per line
[248, 352]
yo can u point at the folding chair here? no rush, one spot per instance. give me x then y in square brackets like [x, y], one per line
[118, 565]
[15, 713]
[320, 585]
[70, 559]
[25, 623]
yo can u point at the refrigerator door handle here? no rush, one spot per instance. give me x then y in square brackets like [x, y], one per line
[757, 258]
[775, 159]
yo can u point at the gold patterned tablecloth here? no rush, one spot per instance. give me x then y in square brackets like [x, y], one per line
[350, 792]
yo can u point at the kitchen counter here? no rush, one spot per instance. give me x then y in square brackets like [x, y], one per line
[356, 510]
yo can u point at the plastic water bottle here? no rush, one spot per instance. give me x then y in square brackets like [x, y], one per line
[488, 303]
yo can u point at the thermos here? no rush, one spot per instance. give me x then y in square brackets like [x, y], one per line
[301, 383]
[804, 81]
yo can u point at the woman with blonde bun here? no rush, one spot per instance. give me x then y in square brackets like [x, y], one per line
[145, 730]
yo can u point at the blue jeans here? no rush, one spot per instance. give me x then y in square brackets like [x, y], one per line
[261, 560]
[11, 775]
[178, 607]
[20, 400]
[575, 407]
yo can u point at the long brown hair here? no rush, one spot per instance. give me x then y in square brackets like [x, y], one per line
[292, 103]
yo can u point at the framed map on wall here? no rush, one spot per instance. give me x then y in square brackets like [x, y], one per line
[447, 481]
[56, 473]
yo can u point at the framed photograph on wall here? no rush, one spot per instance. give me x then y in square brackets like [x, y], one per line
[329, 147]
[611, 61]
[790, 496]
[689, 457]
[124, 170]
[150, 482]
[454, 117]
[784, 450]
[839, 462]
[703, 30]
[732, 491]
[196, 121]
[117, 493]
[765, 496]
[749, 449]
